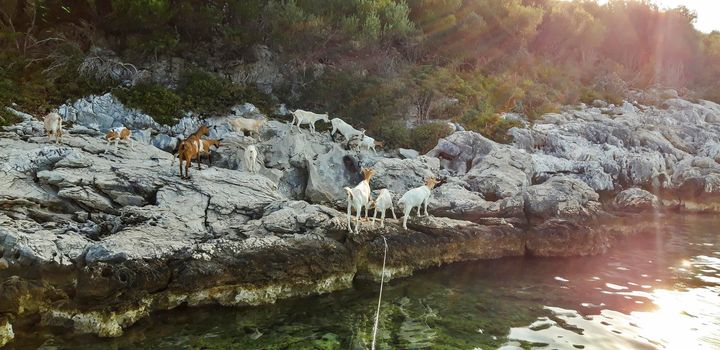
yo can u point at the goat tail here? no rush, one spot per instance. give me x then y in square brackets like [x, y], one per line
[349, 192]
[180, 150]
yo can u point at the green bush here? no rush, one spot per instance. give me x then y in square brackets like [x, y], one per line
[207, 94]
[7, 118]
[200, 92]
[394, 134]
[425, 137]
[490, 125]
[155, 100]
[37, 89]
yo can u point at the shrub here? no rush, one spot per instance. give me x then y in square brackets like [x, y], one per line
[394, 134]
[490, 125]
[711, 94]
[207, 94]
[155, 100]
[210, 94]
[200, 92]
[7, 118]
[424, 137]
[37, 88]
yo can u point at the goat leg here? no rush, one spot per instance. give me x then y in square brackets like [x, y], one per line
[349, 215]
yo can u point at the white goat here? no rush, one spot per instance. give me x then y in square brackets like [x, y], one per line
[370, 143]
[382, 203]
[347, 131]
[117, 134]
[358, 198]
[53, 126]
[251, 158]
[305, 117]
[416, 197]
[244, 124]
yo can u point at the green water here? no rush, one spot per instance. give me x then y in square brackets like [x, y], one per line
[655, 291]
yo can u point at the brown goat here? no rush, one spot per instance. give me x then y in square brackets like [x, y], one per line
[189, 149]
[205, 149]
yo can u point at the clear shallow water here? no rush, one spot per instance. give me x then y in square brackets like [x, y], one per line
[655, 291]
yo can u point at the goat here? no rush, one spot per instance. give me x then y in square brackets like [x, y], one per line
[186, 152]
[190, 148]
[355, 141]
[381, 204]
[345, 129]
[53, 126]
[370, 143]
[118, 134]
[380, 144]
[249, 125]
[416, 197]
[305, 117]
[204, 148]
[358, 198]
[251, 158]
[199, 133]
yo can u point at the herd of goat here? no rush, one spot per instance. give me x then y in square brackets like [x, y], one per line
[359, 197]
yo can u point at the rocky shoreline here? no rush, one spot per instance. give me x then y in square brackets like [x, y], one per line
[94, 242]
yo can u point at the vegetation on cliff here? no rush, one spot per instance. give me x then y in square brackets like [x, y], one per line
[384, 61]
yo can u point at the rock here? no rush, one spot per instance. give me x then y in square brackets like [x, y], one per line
[6, 332]
[401, 175]
[408, 153]
[635, 199]
[165, 142]
[297, 217]
[514, 117]
[125, 224]
[459, 151]
[264, 72]
[590, 172]
[502, 173]
[561, 237]
[105, 112]
[561, 197]
[142, 136]
[455, 201]
[599, 104]
[628, 108]
[453, 240]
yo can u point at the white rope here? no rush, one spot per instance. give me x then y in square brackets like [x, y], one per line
[382, 280]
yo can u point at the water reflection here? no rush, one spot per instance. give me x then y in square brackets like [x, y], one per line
[659, 291]
[684, 312]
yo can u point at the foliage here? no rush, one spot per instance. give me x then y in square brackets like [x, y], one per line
[491, 126]
[161, 103]
[425, 136]
[200, 92]
[37, 91]
[207, 94]
[384, 61]
[7, 118]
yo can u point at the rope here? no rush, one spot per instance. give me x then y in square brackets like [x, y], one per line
[382, 280]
